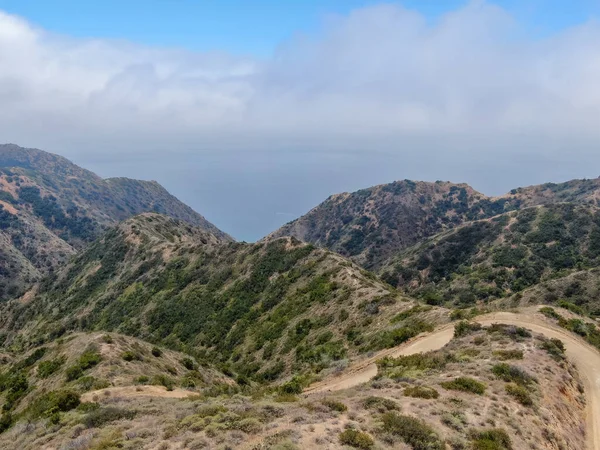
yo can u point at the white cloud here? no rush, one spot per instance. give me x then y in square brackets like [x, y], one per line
[377, 95]
[375, 76]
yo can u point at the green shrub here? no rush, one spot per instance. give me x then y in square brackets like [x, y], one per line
[248, 425]
[515, 333]
[163, 380]
[130, 356]
[421, 392]
[356, 439]
[87, 360]
[54, 402]
[505, 355]
[409, 312]
[418, 361]
[550, 312]
[334, 405]
[102, 416]
[463, 328]
[16, 386]
[47, 368]
[465, 384]
[156, 352]
[380, 404]
[35, 356]
[142, 379]
[512, 374]
[493, 439]
[293, 387]
[571, 307]
[188, 363]
[6, 421]
[397, 336]
[555, 347]
[520, 394]
[74, 372]
[414, 432]
[88, 383]
[87, 407]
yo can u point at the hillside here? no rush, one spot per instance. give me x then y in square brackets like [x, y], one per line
[41, 384]
[260, 310]
[499, 388]
[372, 225]
[50, 208]
[498, 257]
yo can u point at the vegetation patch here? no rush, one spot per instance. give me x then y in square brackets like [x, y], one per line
[506, 355]
[412, 431]
[464, 328]
[356, 439]
[101, 416]
[86, 361]
[397, 336]
[334, 405]
[492, 439]
[421, 392]
[380, 404]
[512, 374]
[53, 402]
[520, 394]
[555, 347]
[465, 384]
[47, 368]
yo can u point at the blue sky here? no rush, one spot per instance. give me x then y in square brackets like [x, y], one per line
[253, 27]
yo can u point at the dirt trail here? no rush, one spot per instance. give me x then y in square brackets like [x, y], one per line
[136, 391]
[581, 354]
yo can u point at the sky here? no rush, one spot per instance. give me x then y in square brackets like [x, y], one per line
[255, 111]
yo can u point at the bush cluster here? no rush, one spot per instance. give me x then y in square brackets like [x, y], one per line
[421, 392]
[465, 384]
[412, 431]
[356, 439]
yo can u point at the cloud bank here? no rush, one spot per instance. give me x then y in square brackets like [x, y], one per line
[379, 72]
[378, 94]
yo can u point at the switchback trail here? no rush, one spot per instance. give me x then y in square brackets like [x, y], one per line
[580, 353]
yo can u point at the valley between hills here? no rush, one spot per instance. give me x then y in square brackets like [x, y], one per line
[412, 315]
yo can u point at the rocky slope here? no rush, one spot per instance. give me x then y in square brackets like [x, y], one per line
[372, 225]
[50, 208]
[499, 257]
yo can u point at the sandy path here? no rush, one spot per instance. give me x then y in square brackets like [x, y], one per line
[136, 391]
[582, 355]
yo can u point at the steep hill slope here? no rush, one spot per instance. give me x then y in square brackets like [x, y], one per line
[498, 257]
[49, 208]
[372, 225]
[261, 309]
[498, 387]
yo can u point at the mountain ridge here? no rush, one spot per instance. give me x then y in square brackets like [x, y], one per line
[371, 225]
[51, 208]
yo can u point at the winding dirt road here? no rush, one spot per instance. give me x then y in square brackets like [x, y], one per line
[581, 354]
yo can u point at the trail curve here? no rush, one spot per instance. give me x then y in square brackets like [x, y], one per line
[585, 357]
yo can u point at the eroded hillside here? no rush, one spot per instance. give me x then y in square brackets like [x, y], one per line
[50, 208]
[502, 256]
[373, 225]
